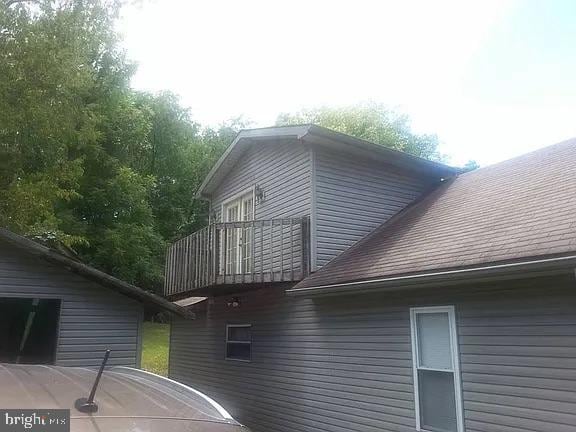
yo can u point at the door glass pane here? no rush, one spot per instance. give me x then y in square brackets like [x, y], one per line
[246, 252]
[437, 401]
[231, 250]
[239, 239]
[434, 346]
[232, 214]
[248, 209]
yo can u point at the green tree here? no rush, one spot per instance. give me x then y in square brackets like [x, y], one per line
[85, 159]
[49, 71]
[471, 165]
[369, 121]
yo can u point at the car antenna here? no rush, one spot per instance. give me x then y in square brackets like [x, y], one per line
[87, 405]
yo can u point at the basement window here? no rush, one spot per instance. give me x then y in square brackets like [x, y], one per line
[436, 369]
[28, 330]
[239, 342]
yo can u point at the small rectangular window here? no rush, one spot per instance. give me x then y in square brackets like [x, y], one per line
[239, 342]
[436, 370]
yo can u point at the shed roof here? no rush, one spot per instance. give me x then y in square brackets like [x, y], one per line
[91, 273]
[317, 135]
[514, 210]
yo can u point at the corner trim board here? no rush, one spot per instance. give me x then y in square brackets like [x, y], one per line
[313, 210]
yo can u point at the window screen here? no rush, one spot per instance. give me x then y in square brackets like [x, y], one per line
[239, 342]
[435, 365]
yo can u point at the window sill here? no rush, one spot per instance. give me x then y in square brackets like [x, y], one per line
[241, 360]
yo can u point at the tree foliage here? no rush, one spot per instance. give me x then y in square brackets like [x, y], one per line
[471, 165]
[85, 159]
[369, 121]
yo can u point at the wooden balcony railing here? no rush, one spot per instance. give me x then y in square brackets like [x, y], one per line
[253, 252]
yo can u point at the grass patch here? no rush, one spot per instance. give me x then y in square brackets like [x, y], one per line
[155, 345]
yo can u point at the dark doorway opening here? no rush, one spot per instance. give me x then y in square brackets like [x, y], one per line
[28, 330]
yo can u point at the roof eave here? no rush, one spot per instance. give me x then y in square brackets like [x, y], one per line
[485, 273]
[316, 135]
[297, 132]
[394, 157]
[93, 274]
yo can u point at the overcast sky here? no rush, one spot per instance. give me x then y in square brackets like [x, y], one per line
[493, 79]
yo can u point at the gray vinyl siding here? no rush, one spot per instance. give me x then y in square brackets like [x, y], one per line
[353, 196]
[92, 318]
[344, 364]
[282, 171]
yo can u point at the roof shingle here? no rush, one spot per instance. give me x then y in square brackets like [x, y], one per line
[523, 207]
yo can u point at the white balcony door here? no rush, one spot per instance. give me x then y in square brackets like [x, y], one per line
[238, 253]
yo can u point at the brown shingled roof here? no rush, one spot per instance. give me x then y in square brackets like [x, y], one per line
[523, 207]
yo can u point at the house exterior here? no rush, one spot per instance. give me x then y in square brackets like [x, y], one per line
[413, 298]
[56, 310]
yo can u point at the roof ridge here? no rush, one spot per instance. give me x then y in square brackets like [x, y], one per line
[319, 135]
[531, 153]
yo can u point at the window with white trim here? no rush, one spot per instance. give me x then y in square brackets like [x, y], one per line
[239, 342]
[437, 387]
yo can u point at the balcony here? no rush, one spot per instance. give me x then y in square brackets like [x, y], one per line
[223, 255]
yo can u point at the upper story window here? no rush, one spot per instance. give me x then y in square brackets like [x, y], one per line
[239, 342]
[238, 253]
[436, 369]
